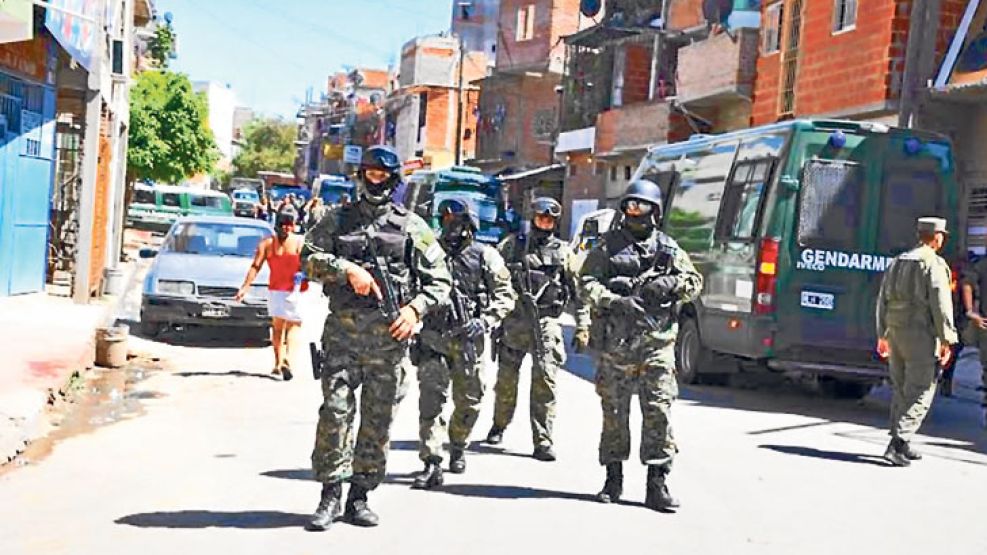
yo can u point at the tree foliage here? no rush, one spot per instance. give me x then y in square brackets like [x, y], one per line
[269, 145]
[162, 44]
[170, 138]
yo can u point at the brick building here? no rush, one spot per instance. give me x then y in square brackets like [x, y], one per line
[475, 22]
[650, 72]
[422, 112]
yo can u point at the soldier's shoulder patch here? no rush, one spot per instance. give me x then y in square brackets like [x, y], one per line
[433, 253]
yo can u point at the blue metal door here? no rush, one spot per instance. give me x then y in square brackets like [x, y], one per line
[26, 156]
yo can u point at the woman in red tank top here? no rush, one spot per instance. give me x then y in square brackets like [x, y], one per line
[282, 253]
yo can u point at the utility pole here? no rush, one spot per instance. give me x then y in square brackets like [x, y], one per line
[459, 111]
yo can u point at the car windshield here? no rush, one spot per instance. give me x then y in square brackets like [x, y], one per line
[245, 195]
[215, 239]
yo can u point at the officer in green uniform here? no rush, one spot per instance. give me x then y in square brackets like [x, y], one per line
[544, 271]
[450, 347]
[366, 334]
[915, 327]
[636, 279]
[974, 302]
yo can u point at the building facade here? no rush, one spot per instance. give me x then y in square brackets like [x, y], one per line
[222, 103]
[475, 22]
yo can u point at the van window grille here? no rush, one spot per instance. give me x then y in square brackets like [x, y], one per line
[830, 204]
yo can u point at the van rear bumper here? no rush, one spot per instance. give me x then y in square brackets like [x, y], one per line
[836, 370]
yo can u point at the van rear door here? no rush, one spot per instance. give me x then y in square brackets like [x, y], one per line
[825, 303]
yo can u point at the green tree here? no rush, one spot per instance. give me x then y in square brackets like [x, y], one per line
[269, 145]
[162, 44]
[170, 138]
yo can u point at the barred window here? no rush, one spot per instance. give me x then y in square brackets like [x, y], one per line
[844, 15]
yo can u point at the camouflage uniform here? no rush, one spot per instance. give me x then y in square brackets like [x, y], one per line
[975, 277]
[915, 315]
[482, 279]
[549, 260]
[359, 348]
[635, 357]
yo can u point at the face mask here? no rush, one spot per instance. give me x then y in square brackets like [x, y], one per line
[639, 226]
[456, 236]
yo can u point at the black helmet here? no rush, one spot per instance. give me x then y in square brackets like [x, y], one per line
[643, 190]
[546, 206]
[380, 157]
[458, 210]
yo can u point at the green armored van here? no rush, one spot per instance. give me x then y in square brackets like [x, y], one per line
[792, 226]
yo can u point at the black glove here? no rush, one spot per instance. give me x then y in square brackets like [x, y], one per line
[475, 328]
[621, 285]
[662, 287]
[628, 305]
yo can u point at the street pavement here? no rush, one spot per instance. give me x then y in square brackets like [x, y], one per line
[210, 455]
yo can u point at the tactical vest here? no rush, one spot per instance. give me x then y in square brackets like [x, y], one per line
[629, 259]
[393, 245]
[469, 275]
[542, 268]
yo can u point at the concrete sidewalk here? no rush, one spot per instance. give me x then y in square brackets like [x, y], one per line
[46, 339]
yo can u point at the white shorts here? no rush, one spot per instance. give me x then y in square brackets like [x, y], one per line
[280, 304]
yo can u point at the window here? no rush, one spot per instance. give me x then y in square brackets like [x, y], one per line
[628, 170]
[143, 196]
[572, 169]
[773, 17]
[789, 68]
[910, 191]
[171, 199]
[830, 204]
[422, 116]
[742, 199]
[613, 173]
[206, 202]
[525, 23]
[844, 15]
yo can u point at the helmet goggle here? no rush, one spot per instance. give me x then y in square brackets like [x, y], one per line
[452, 211]
[643, 208]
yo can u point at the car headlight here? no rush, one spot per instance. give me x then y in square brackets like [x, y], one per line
[257, 293]
[167, 287]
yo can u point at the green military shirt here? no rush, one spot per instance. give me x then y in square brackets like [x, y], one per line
[428, 259]
[502, 294]
[915, 292]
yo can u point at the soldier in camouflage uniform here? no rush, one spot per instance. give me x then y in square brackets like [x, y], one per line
[915, 326]
[450, 346]
[544, 271]
[364, 346]
[636, 279]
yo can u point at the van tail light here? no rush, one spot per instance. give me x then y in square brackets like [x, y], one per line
[767, 276]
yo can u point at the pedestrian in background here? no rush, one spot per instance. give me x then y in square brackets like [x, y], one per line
[450, 349]
[636, 279]
[915, 327]
[263, 208]
[282, 254]
[544, 272]
[975, 309]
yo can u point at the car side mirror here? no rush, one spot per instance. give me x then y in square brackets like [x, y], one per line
[148, 253]
[790, 183]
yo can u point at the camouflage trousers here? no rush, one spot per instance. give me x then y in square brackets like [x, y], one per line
[912, 367]
[435, 373]
[973, 336]
[544, 372]
[368, 360]
[652, 378]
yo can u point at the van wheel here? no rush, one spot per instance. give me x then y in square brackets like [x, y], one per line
[151, 329]
[690, 353]
[844, 389]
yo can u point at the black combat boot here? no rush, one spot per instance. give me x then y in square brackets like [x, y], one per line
[457, 461]
[430, 477]
[357, 510]
[544, 453]
[895, 453]
[657, 497]
[908, 452]
[496, 435]
[328, 509]
[613, 488]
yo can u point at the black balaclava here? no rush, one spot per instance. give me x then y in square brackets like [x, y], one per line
[456, 235]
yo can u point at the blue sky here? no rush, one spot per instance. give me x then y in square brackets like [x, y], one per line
[271, 51]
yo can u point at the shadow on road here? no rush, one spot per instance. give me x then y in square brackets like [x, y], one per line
[205, 337]
[306, 475]
[474, 447]
[247, 520]
[828, 455]
[235, 373]
[511, 492]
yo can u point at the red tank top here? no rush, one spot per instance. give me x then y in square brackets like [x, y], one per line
[283, 269]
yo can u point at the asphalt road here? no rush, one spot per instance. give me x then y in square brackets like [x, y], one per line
[209, 455]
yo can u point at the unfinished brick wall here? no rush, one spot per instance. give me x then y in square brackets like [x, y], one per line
[685, 14]
[518, 116]
[554, 19]
[637, 73]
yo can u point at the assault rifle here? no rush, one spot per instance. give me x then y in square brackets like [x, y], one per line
[530, 300]
[378, 268]
[636, 308]
[461, 317]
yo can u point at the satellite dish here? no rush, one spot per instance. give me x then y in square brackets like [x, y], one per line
[717, 12]
[590, 8]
